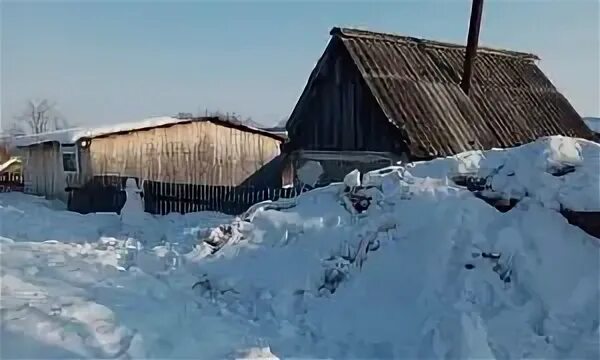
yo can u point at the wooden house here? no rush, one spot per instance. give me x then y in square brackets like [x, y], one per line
[207, 151]
[377, 98]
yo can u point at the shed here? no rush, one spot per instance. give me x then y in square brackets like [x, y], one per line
[207, 151]
[400, 97]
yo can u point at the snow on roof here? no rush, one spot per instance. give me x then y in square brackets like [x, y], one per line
[131, 126]
[70, 136]
[65, 136]
[8, 163]
[593, 123]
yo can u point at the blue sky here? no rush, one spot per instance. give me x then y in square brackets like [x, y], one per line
[106, 62]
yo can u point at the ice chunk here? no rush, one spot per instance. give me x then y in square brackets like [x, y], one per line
[352, 179]
[310, 172]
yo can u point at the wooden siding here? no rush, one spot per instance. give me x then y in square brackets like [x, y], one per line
[43, 173]
[192, 153]
[339, 112]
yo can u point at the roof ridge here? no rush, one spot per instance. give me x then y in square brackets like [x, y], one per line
[383, 36]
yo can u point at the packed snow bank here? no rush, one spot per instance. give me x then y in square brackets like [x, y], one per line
[556, 171]
[81, 286]
[388, 265]
[428, 270]
[412, 277]
[31, 218]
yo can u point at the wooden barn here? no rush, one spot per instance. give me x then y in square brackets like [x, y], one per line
[374, 98]
[207, 151]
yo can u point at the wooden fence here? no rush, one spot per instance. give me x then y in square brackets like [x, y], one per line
[11, 182]
[163, 198]
[100, 194]
[107, 194]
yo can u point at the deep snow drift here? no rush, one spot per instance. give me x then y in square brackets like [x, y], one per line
[426, 271]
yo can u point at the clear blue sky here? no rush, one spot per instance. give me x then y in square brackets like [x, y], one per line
[106, 62]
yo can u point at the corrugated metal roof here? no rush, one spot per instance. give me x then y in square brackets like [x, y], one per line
[417, 84]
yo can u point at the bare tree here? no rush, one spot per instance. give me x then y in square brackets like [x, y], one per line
[38, 116]
[233, 116]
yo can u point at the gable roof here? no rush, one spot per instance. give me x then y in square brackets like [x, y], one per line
[416, 83]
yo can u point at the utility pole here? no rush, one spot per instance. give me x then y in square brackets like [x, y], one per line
[472, 40]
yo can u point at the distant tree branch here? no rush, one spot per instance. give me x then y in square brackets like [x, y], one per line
[38, 117]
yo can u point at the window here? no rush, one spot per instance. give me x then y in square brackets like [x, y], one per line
[69, 158]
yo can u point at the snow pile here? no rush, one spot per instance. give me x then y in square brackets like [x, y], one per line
[413, 278]
[81, 286]
[555, 171]
[427, 270]
[385, 265]
[32, 218]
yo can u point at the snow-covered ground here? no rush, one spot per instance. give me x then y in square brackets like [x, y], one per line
[426, 271]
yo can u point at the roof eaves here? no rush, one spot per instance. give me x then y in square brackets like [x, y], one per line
[213, 119]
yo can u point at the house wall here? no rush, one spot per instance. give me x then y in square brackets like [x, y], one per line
[43, 173]
[339, 113]
[192, 153]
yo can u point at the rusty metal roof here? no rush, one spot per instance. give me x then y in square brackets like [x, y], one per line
[417, 84]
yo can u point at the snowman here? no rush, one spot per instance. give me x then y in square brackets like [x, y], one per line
[132, 214]
[133, 220]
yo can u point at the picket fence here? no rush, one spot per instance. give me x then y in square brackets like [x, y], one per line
[106, 194]
[11, 182]
[163, 198]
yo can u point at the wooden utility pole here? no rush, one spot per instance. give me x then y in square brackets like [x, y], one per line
[472, 40]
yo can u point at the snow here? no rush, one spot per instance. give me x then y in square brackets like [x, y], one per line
[426, 271]
[131, 126]
[65, 136]
[310, 172]
[531, 170]
[8, 163]
[132, 213]
[352, 179]
[71, 136]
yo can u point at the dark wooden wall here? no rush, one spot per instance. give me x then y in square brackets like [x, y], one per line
[339, 113]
